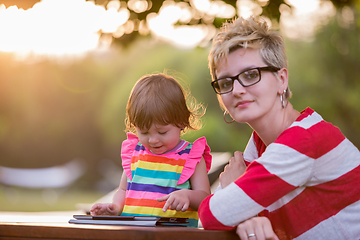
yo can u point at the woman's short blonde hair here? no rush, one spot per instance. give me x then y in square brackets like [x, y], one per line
[254, 33]
[160, 99]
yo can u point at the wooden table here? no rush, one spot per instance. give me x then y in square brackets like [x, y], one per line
[55, 226]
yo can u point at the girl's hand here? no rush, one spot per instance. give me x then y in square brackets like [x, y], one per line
[233, 170]
[256, 228]
[181, 200]
[105, 209]
[177, 200]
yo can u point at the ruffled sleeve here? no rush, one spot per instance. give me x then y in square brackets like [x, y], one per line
[127, 149]
[199, 149]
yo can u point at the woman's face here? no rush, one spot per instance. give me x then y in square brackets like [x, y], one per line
[249, 104]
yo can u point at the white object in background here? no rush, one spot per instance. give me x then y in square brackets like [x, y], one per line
[52, 177]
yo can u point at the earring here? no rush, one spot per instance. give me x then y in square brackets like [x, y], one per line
[225, 118]
[282, 99]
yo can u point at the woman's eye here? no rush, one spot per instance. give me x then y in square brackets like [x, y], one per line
[250, 75]
[225, 83]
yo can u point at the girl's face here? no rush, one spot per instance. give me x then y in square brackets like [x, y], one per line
[159, 139]
[249, 104]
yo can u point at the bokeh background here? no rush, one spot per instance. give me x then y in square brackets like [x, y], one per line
[67, 68]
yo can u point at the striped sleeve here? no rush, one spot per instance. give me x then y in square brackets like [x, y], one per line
[208, 220]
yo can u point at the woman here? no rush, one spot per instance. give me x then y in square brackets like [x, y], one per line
[302, 174]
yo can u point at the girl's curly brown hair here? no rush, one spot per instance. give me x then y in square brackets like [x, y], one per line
[159, 98]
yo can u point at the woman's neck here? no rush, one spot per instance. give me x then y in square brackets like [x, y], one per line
[270, 126]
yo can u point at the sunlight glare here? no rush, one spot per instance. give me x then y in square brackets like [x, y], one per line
[186, 12]
[113, 4]
[187, 37]
[201, 5]
[57, 27]
[138, 6]
[214, 8]
[113, 19]
[246, 8]
[303, 20]
[304, 6]
[163, 26]
[221, 10]
[170, 14]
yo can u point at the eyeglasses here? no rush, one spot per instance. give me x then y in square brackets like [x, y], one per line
[246, 78]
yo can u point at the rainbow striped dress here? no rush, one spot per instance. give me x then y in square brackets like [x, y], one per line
[151, 176]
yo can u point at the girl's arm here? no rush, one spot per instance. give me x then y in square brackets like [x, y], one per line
[119, 196]
[114, 208]
[181, 200]
[199, 184]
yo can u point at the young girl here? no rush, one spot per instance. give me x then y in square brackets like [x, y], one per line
[163, 175]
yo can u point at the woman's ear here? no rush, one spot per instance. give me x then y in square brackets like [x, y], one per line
[282, 76]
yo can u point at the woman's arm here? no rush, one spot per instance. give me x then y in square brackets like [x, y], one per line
[256, 228]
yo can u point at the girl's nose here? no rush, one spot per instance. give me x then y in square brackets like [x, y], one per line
[153, 139]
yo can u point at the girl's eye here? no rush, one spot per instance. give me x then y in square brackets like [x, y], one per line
[162, 133]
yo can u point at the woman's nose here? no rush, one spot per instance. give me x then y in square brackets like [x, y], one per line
[238, 88]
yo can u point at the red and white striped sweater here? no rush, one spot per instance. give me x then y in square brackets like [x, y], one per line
[307, 183]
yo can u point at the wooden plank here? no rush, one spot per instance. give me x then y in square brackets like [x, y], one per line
[63, 231]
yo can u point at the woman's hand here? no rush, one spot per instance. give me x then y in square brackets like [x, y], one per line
[256, 228]
[233, 170]
[177, 200]
[105, 209]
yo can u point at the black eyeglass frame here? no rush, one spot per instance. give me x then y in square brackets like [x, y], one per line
[267, 68]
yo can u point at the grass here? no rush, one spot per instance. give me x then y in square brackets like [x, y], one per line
[16, 199]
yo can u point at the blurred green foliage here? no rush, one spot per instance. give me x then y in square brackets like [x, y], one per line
[14, 199]
[325, 75]
[52, 112]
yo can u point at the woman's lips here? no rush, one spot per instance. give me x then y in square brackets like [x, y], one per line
[243, 104]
